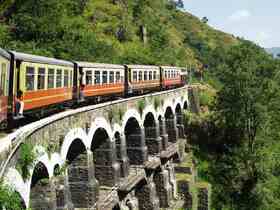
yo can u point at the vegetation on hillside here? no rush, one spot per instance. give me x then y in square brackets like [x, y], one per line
[109, 31]
[237, 138]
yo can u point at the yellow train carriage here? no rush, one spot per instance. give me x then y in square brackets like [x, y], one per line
[4, 85]
[42, 81]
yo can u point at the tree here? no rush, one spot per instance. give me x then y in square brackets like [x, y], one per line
[247, 115]
[204, 20]
[180, 4]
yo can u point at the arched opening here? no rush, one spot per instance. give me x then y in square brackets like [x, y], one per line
[185, 105]
[171, 127]
[153, 140]
[117, 207]
[180, 122]
[42, 193]
[56, 170]
[107, 170]
[179, 115]
[121, 154]
[82, 184]
[135, 142]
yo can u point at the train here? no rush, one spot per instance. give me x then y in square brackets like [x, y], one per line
[32, 85]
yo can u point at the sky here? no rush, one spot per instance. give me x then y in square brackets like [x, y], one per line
[256, 20]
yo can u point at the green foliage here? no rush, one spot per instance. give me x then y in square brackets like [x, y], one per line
[141, 106]
[26, 159]
[9, 199]
[108, 31]
[236, 143]
[157, 102]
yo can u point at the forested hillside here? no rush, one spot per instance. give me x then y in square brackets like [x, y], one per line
[108, 31]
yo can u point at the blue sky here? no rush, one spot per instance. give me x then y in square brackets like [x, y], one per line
[256, 20]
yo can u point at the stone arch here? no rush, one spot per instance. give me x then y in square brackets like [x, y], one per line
[98, 123]
[171, 127]
[107, 169]
[135, 141]
[81, 175]
[131, 113]
[149, 110]
[179, 113]
[72, 135]
[42, 193]
[185, 105]
[153, 140]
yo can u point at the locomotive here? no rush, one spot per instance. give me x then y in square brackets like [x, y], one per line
[31, 85]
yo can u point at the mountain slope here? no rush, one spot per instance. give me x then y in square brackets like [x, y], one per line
[109, 31]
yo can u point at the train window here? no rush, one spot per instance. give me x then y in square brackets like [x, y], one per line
[97, 77]
[165, 74]
[118, 77]
[3, 79]
[111, 77]
[41, 79]
[66, 78]
[145, 75]
[104, 77]
[134, 75]
[58, 78]
[88, 77]
[150, 75]
[51, 78]
[140, 78]
[71, 78]
[29, 80]
[155, 75]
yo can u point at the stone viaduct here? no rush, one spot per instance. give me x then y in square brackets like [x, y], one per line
[115, 155]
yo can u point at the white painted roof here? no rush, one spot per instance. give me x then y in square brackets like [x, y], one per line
[98, 65]
[40, 59]
[5, 54]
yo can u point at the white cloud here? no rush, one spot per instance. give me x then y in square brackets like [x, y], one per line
[239, 15]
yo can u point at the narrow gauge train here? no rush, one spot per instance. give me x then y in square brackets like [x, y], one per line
[31, 85]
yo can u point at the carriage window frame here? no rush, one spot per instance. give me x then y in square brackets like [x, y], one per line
[145, 75]
[41, 78]
[3, 79]
[134, 76]
[97, 77]
[59, 77]
[88, 77]
[30, 77]
[111, 77]
[118, 77]
[51, 83]
[155, 75]
[140, 76]
[104, 77]
[66, 78]
[150, 75]
[70, 77]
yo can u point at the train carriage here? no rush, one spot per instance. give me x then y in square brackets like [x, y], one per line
[99, 80]
[142, 78]
[43, 81]
[4, 85]
[171, 77]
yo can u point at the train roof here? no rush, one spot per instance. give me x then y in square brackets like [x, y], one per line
[5, 54]
[40, 59]
[98, 65]
[142, 67]
[171, 67]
